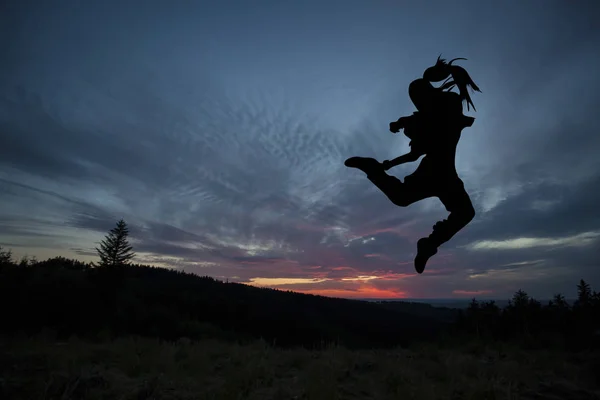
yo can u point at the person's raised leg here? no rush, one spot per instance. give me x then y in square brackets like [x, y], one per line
[399, 193]
[457, 202]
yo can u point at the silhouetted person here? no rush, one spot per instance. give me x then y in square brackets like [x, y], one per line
[434, 131]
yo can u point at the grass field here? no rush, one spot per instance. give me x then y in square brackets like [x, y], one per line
[134, 368]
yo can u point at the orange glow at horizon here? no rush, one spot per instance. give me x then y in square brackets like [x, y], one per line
[283, 281]
[363, 292]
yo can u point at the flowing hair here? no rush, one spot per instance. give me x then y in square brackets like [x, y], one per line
[453, 76]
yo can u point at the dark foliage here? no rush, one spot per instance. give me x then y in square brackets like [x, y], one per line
[70, 297]
[527, 321]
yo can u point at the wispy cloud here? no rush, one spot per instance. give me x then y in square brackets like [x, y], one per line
[522, 263]
[284, 281]
[472, 292]
[582, 239]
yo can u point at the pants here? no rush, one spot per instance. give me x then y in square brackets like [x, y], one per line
[423, 184]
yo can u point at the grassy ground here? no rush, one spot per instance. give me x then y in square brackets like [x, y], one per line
[135, 368]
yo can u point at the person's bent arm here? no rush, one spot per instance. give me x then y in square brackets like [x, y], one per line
[402, 123]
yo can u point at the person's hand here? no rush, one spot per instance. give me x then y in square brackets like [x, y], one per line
[387, 164]
[395, 127]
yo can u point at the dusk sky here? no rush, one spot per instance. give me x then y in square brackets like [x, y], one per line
[218, 131]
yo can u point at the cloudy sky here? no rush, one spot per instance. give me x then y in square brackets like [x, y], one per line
[218, 131]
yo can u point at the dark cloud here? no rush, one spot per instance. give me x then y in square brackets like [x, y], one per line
[546, 209]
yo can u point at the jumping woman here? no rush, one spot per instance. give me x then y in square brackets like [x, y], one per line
[434, 131]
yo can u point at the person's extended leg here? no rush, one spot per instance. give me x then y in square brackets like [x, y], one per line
[401, 194]
[457, 202]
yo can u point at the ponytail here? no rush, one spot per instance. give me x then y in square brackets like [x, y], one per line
[453, 76]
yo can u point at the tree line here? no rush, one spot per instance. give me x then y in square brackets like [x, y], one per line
[556, 323]
[116, 297]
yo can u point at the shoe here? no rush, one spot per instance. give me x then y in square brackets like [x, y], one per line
[367, 165]
[425, 249]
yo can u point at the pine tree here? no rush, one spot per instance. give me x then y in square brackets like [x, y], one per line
[115, 249]
[520, 299]
[584, 293]
[5, 256]
[473, 313]
[559, 302]
[520, 307]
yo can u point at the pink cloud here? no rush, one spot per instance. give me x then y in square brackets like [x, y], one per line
[378, 256]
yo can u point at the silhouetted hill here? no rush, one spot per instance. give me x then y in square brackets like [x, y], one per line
[424, 310]
[72, 298]
[68, 297]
